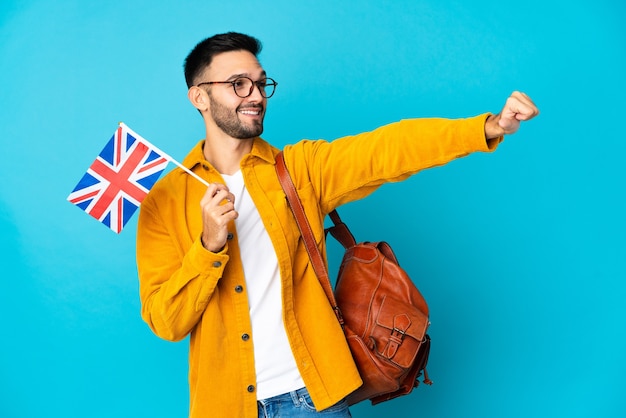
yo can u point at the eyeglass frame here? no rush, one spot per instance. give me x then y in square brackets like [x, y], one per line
[254, 83]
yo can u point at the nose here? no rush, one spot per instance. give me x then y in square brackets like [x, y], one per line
[256, 95]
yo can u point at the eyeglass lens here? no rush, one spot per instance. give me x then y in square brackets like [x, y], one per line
[243, 87]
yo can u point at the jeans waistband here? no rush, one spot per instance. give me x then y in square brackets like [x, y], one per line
[293, 395]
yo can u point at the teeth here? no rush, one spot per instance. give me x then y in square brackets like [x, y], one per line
[250, 112]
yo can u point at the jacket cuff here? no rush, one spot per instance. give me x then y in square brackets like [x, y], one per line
[205, 261]
[486, 145]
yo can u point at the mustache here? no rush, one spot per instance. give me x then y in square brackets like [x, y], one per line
[250, 107]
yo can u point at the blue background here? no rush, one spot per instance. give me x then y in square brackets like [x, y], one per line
[521, 254]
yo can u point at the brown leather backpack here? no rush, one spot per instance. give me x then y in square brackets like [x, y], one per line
[383, 314]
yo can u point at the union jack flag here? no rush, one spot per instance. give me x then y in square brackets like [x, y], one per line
[119, 179]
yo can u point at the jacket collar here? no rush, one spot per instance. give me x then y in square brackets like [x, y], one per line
[260, 149]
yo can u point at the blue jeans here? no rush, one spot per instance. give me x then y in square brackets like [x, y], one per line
[298, 404]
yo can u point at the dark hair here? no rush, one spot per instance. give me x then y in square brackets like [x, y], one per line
[202, 54]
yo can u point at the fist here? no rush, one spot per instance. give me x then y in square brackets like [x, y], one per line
[518, 107]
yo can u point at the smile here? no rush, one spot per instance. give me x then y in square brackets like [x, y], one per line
[251, 112]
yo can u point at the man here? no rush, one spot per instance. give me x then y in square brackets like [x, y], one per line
[226, 265]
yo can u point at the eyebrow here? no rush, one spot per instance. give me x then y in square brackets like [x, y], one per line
[235, 76]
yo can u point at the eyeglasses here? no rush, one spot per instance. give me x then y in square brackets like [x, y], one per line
[244, 86]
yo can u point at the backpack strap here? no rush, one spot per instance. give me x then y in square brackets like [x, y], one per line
[317, 261]
[340, 231]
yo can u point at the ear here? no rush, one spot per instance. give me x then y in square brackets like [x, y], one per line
[198, 98]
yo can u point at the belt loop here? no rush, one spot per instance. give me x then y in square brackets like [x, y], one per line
[295, 397]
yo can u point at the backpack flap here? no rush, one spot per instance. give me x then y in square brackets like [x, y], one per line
[399, 331]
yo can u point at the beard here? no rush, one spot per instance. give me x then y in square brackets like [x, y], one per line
[228, 120]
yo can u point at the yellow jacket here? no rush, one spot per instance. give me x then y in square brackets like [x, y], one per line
[186, 289]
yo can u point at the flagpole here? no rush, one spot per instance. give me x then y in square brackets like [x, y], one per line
[194, 175]
[182, 167]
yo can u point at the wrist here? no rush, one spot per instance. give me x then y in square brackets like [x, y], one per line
[209, 246]
[492, 127]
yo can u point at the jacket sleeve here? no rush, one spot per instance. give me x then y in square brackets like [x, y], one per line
[352, 167]
[175, 285]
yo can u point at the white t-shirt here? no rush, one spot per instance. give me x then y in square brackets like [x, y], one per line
[276, 368]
